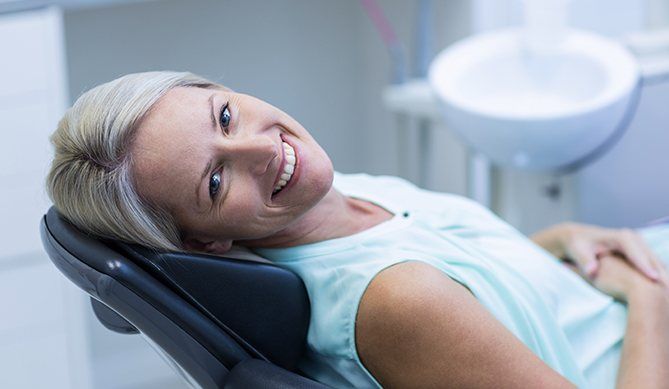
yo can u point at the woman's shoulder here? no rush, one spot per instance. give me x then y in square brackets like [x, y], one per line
[428, 315]
[401, 303]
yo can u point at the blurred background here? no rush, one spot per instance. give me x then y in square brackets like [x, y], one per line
[323, 62]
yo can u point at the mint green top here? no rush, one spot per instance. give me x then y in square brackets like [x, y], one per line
[571, 326]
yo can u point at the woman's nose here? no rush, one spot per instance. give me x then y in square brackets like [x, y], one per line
[256, 153]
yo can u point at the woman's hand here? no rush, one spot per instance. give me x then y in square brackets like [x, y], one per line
[617, 278]
[585, 245]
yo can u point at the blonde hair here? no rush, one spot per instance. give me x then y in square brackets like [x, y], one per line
[90, 181]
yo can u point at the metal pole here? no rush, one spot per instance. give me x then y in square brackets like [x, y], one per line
[479, 178]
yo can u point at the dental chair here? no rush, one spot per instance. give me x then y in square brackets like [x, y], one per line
[220, 322]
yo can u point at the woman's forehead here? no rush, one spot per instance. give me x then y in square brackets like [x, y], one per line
[181, 103]
[177, 122]
[171, 144]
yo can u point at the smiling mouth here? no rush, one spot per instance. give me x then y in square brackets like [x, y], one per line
[288, 168]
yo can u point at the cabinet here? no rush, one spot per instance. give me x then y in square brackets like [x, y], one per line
[37, 307]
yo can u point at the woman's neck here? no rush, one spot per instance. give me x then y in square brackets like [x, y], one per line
[335, 216]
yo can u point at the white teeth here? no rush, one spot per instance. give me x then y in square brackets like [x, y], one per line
[288, 169]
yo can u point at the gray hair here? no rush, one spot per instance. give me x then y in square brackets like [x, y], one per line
[90, 181]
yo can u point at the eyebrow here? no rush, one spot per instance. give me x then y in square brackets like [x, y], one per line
[214, 124]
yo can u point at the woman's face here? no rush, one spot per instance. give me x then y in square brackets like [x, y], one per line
[214, 159]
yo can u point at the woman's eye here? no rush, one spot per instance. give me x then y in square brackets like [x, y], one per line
[225, 117]
[214, 184]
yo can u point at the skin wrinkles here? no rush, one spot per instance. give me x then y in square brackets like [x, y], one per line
[175, 141]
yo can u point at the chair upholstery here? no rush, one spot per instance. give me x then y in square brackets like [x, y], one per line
[220, 320]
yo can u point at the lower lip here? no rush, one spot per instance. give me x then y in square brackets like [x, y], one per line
[294, 177]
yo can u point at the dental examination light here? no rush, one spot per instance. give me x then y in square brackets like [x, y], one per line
[542, 97]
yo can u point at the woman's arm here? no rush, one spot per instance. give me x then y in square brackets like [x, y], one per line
[645, 356]
[416, 327]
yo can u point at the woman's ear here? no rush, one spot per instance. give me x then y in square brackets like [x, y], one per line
[213, 247]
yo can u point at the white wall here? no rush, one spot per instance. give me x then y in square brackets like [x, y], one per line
[628, 187]
[658, 15]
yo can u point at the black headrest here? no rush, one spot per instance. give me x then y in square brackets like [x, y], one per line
[263, 307]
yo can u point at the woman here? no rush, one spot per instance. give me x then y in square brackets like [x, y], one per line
[408, 287]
